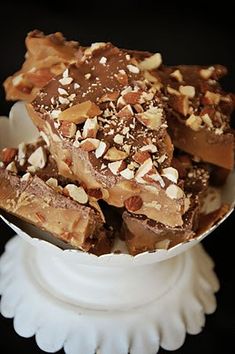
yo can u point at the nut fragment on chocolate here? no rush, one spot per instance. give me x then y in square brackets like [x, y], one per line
[38, 158]
[68, 129]
[90, 144]
[116, 167]
[76, 193]
[188, 91]
[113, 154]
[11, 167]
[194, 122]
[80, 112]
[90, 128]
[171, 174]
[151, 118]
[206, 73]
[174, 192]
[151, 63]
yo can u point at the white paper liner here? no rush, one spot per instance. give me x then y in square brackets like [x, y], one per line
[19, 128]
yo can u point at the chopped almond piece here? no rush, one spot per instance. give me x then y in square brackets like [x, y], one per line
[212, 98]
[177, 75]
[194, 122]
[113, 154]
[132, 97]
[100, 150]
[141, 156]
[152, 118]
[109, 96]
[38, 158]
[188, 91]
[126, 112]
[76, 193]
[90, 128]
[89, 144]
[174, 192]
[67, 129]
[171, 174]
[151, 63]
[117, 166]
[80, 112]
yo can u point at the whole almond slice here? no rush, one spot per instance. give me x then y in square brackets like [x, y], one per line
[80, 112]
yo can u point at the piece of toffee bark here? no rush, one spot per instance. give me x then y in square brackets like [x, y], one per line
[46, 57]
[31, 189]
[199, 112]
[142, 234]
[106, 127]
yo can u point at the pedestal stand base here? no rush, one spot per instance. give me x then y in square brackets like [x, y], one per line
[58, 321]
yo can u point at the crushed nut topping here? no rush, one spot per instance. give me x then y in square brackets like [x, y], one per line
[174, 192]
[76, 193]
[116, 167]
[177, 75]
[11, 167]
[133, 69]
[188, 91]
[151, 63]
[100, 150]
[194, 122]
[171, 174]
[38, 158]
[113, 154]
